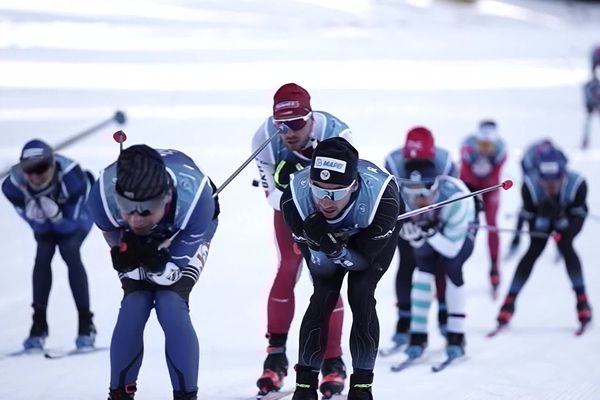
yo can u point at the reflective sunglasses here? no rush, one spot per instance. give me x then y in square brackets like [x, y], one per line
[38, 169]
[142, 208]
[416, 189]
[295, 123]
[331, 194]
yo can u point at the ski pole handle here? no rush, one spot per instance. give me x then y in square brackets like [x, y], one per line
[507, 184]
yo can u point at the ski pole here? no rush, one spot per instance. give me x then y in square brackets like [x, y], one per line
[542, 235]
[507, 184]
[282, 129]
[119, 117]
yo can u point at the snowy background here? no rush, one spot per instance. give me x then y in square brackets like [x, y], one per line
[199, 76]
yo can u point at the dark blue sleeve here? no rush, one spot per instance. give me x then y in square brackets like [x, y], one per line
[199, 229]
[74, 183]
[98, 214]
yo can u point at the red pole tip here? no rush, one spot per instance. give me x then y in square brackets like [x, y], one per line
[119, 136]
[507, 184]
[556, 236]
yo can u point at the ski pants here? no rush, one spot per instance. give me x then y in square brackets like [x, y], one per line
[172, 311]
[69, 247]
[281, 303]
[364, 334]
[404, 278]
[565, 247]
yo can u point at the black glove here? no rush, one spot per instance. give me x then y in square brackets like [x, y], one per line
[125, 256]
[151, 257]
[283, 171]
[549, 208]
[319, 236]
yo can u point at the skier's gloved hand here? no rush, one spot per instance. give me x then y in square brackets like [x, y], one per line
[320, 237]
[152, 258]
[561, 224]
[482, 167]
[125, 256]
[34, 213]
[50, 209]
[170, 274]
[542, 224]
[411, 231]
[283, 170]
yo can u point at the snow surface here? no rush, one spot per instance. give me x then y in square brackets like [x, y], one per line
[199, 76]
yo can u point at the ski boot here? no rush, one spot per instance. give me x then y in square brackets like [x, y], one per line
[361, 382]
[274, 370]
[125, 393]
[456, 345]
[584, 312]
[307, 380]
[334, 374]
[416, 345]
[87, 331]
[185, 395]
[38, 331]
[506, 311]
[443, 319]
[494, 279]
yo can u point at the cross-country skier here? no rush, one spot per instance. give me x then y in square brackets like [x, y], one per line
[299, 129]
[343, 213]
[158, 215]
[419, 146]
[440, 238]
[591, 92]
[529, 165]
[554, 199]
[49, 191]
[482, 157]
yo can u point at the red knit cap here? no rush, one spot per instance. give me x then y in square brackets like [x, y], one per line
[290, 101]
[419, 144]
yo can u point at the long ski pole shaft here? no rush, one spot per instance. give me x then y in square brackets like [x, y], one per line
[507, 184]
[119, 117]
[248, 161]
[536, 234]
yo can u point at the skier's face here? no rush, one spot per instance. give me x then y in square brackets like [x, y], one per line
[551, 187]
[40, 177]
[144, 217]
[330, 198]
[298, 131]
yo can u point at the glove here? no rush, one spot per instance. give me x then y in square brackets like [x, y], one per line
[170, 274]
[482, 167]
[125, 256]
[411, 231]
[50, 209]
[151, 257]
[542, 224]
[319, 236]
[282, 173]
[34, 213]
[561, 224]
[549, 208]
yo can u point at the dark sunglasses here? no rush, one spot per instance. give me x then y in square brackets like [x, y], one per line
[294, 124]
[37, 169]
[142, 208]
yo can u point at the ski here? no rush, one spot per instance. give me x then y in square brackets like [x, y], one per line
[336, 397]
[448, 361]
[271, 395]
[54, 355]
[496, 331]
[582, 328]
[404, 364]
[24, 352]
[391, 350]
